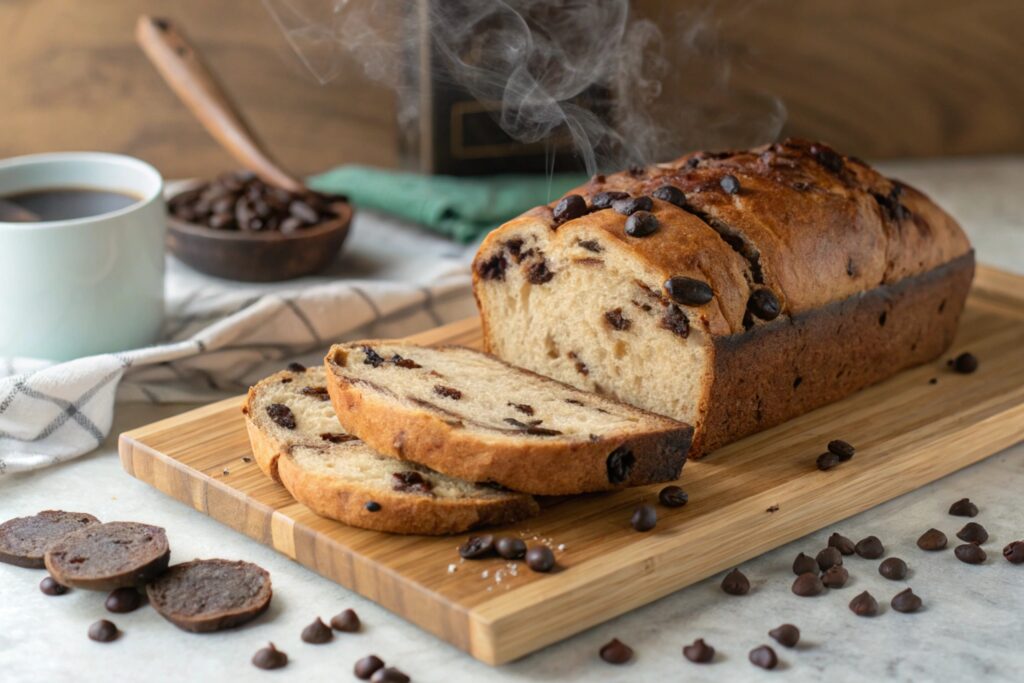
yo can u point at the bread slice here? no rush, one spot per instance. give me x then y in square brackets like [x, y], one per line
[297, 440]
[211, 595]
[472, 416]
[109, 556]
[24, 540]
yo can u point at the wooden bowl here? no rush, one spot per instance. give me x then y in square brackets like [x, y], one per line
[259, 256]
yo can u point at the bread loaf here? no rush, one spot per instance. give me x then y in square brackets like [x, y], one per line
[732, 291]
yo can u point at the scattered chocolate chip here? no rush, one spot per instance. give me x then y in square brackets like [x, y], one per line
[835, 577]
[786, 635]
[763, 656]
[619, 464]
[804, 564]
[645, 518]
[970, 553]
[973, 533]
[122, 600]
[736, 583]
[630, 205]
[616, 320]
[841, 448]
[864, 605]
[827, 461]
[510, 547]
[539, 273]
[367, 666]
[569, 207]
[870, 548]
[317, 633]
[699, 652]
[616, 652]
[410, 482]
[372, 506]
[730, 183]
[603, 200]
[448, 392]
[841, 543]
[49, 586]
[269, 657]
[807, 585]
[539, 558]
[477, 547]
[673, 497]
[103, 631]
[675, 321]
[965, 363]
[764, 304]
[670, 194]
[389, 675]
[346, 621]
[963, 508]
[372, 358]
[688, 291]
[282, 415]
[893, 568]
[829, 557]
[641, 224]
[933, 539]
[772, 508]
[296, 367]
[1014, 552]
[906, 601]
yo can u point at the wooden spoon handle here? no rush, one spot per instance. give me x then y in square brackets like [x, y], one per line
[196, 86]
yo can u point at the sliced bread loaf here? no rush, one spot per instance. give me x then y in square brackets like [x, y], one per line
[108, 556]
[297, 440]
[24, 540]
[472, 416]
[210, 595]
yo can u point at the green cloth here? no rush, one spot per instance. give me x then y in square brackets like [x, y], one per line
[460, 207]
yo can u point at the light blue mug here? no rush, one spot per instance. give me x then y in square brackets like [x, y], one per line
[83, 286]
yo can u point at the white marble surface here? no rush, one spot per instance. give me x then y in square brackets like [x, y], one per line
[972, 626]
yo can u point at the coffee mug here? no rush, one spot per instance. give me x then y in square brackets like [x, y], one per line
[79, 286]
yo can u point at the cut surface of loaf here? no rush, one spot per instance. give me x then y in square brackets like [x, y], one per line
[109, 556]
[732, 291]
[297, 440]
[210, 595]
[472, 416]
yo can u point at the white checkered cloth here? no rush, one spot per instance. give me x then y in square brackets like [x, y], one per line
[220, 337]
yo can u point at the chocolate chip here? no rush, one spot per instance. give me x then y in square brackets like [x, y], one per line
[492, 268]
[316, 392]
[970, 553]
[630, 205]
[372, 506]
[103, 631]
[804, 564]
[807, 585]
[510, 548]
[337, 438]
[763, 656]
[539, 273]
[539, 558]
[893, 568]
[699, 652]
[841, 543]
[617, 321]
[764, 304]
[372, 357]
[407, 363]
[367, 666]
[410, 482]
[963, 508]
[905, 601]
[827, 157]
[603, 200]
[1014, 552]
[973, 533]
[389, 675]
[122, 600]
[282, 415]
[688, 291]
[448, 392]
[675, 321]
[730, 183]
[670, 194]
[870, 548]
[829, 557]
[49, 586]
[933, 539]
[477, 547]
[841, 448]
[591, 245]
[523, 408]
[616, 652]
[641, 224]
[317, 633]
[645, 518]
[569, 207]
[346, 621]
[827, 461]
[864, 605]
[835, 577]
[965, 363]
[296, 367]
[786, 635]
[736, 583]
[673, 497]
[619, 464]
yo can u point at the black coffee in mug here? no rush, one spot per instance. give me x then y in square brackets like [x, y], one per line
[61, 204]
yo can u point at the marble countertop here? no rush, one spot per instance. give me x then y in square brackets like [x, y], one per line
[971, 625]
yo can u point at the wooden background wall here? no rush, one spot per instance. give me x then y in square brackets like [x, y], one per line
[879, 78]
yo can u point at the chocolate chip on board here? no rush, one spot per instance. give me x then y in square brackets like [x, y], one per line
[804, 564]
[367, 666]
[864, 605]
[973, 533]
[1014, 552]
[932, 540]
[835, 577]
[699, 652]
[906, 601]
[786, 635]
[764, 657]
[808, 585]
[510, 548]
[539, 558]
[893, 568]
[269, 657]
[616, 652]
[827, 461]
[970, 553]
[645, 518]
[841, 543]
[965, 363]
[963, 508]
[673, 497]
[103, 631]
[870, 548]
[671, 194]
[736, 583]
[477, 547]
[317, 633]
[346, 621]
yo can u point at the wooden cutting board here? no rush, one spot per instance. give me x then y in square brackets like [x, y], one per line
[765, 489]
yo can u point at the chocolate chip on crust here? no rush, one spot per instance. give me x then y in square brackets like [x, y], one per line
[569, 207]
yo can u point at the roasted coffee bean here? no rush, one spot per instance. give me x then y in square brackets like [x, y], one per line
[645, 518]
[829, 557]
[303, 211]
[835, 577]
[569, 207]
[827, 461]
[730, 183]
[804, 564]
[763, 656]
[870, 548]
[841, 543]
[282, 415]
[670, 194]
[906, 601]
[616, 652]
[389, 675]
[973, 533]
[808, 585]
[510, 547]
[539, 558]
[970, 553]
[963, 508]
[965, 363]
[372, 506]
[933, 539]
[764, 304]
[317, 633]
[786, 635]
[103, 631]
[49, 586]
[844, 450]
[630, 205]
[1014, 552]
[864, 605]
[688, 291]
[477, 547]
[410, 482]
[603, 200]
[122, 600]
[367, 666]
[346, 621]
[699, 652]
[736, 583]
[619, 464]
[641, 224]
[893, 568]
[269, 657]
[673, 497]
